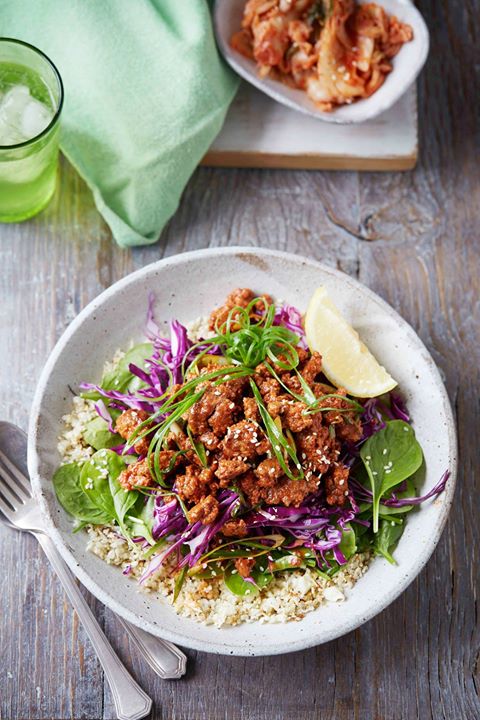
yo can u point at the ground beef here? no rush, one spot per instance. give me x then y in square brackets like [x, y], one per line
[136, 475]
[218, 408]
[244, 566]
[182, 442]
[223, 416]
[195, 484]
[312, 368]
[250, 409]
[317, 448]
[348, 426]
[240, 297]
[246, 440]
[268, 386]
[268, 472]
[293, 414]
[206, 511]
[126, 425]
[291, 492]
[210, 440]
[230, 468]
[227, 421]
[198, 415]
[235, 528]
[336, 484]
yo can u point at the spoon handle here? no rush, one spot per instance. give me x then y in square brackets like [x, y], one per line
[131, 702]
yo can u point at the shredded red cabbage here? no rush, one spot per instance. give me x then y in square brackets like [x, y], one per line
[291, 318]
[363, 494]
[171, 524]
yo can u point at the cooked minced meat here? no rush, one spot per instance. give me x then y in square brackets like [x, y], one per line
[227, 422]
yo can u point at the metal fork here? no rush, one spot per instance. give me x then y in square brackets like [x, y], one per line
[21, 511]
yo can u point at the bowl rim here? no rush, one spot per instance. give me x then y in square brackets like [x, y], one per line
[304, 641]
[370, 112]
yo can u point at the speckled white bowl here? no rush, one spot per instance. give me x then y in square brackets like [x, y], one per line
[406, 65]
[187, 286]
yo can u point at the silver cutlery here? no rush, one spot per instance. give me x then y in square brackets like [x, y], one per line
[21, 511]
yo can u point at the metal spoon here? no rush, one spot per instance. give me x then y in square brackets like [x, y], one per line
[20, 510]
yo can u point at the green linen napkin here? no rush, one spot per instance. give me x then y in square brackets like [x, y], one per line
[145, 95]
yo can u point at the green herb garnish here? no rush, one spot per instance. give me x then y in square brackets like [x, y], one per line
[390, 456]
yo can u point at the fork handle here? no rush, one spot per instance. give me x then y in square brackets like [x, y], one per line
[168, 661]
[131, 702]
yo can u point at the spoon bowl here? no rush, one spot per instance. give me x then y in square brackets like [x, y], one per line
[406, 65]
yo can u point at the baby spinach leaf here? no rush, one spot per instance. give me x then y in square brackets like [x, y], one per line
[239, 586]
[95, 479]
[287, 562]
[387, 537]
[71, 497]
[348, 543]
[139, 518]
[120, 378]
[408, 493]
[98, 435]
[179, 580]
[390, 456]
[123, 499]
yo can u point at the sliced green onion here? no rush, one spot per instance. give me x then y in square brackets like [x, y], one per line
[277, 439]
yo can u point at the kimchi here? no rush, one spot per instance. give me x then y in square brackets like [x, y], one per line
[335, 50]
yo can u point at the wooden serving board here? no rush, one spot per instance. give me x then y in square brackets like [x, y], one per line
[262, 133]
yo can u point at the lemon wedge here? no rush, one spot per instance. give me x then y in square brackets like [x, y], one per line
[347, 362]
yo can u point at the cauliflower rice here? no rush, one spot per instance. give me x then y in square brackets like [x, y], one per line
[290, 596]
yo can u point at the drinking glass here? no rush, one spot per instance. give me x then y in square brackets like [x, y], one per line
[31, 98]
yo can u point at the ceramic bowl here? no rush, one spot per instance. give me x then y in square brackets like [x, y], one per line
[190, 285]
[406, 65]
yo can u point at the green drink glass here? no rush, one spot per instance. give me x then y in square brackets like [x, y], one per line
[31, 98]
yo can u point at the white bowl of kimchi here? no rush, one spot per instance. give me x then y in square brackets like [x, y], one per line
[341, 61]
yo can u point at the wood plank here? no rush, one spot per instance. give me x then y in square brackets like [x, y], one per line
[236, 159]
[259, 132]
[413, 238]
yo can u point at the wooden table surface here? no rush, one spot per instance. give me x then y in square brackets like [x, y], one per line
[412, 238]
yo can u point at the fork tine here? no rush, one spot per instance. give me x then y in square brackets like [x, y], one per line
[6, 510]
[17, 474]
[15, 499]
[12, 485]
